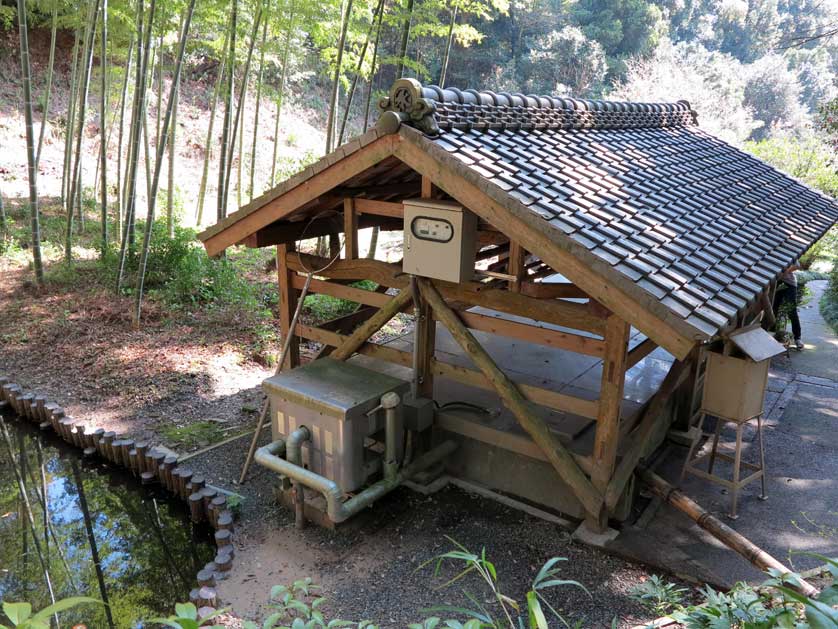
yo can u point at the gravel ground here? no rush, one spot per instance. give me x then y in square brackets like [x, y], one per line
[370, 567]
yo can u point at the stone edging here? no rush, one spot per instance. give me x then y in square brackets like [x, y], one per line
[148, 463]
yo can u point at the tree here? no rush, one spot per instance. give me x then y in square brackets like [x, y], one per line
[565, 62]
[26, 74]
[622, 27]
[773, 92]
[712, 82]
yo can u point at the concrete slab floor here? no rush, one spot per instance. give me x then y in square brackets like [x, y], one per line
[801, 440]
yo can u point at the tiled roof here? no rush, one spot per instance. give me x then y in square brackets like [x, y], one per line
[697, 224]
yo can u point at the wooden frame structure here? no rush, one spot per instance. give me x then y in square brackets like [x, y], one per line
[363, 184]
[509, 283]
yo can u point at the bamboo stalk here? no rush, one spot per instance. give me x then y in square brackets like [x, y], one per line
[281, 89]
[721, 531]
[258, 106]
[50, 71]
[346, 14]
[103, 168]
[31, 158]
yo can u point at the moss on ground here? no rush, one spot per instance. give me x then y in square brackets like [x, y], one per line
[195, 435]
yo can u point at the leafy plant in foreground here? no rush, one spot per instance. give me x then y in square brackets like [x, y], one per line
[514, 615]
[186, 617]
[21, 616]
[658, 596]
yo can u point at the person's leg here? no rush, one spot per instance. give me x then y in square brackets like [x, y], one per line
[795, 319]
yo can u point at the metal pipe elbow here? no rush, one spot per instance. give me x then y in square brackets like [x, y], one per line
[294, 446]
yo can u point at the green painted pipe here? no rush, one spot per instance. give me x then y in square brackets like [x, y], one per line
[270, 456]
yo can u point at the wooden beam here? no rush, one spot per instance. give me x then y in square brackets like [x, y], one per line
[426, 347]
[619, 295]
[557, 312]
[552, 290]
[407, 188]
[492, 252]
[298, 191]
[281, 232]
[287, 305]
[476, 321]
[640, 352]
[638, 440]
[517, 259]
[350, 229]
[427, 188]
[513, 442]
[379, 208]
[560, 458]
[457, 373]
[534, 334]
[344, 325]
[607, 436]
[373, 325]
[342, 291]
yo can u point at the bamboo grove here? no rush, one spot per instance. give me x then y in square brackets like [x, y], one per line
[128, 61]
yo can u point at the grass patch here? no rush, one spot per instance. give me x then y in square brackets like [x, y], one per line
[197, 435]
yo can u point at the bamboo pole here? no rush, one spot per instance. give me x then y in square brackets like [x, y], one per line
[31, 158]
[27, 507]
[372, 325]
[560, 458]
[721, 531]
[281, 89]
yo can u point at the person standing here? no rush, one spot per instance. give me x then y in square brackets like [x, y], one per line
[786, 293]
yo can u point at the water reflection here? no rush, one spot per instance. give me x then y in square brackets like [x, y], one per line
[147, 549]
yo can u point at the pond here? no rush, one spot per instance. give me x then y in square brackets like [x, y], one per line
[149, 551]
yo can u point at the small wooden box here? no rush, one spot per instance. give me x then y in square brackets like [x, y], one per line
[734, 386]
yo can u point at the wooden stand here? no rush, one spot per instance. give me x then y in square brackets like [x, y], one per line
[737, 483]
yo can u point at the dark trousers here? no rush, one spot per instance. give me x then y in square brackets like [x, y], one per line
[788, 295]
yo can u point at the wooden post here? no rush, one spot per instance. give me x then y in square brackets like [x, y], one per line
[608, 418]
[560, 458]
[287, 305]
[426, 345]
[648, 421]
[517, 256]
[427, 188]
[350, 228]
[373, 324]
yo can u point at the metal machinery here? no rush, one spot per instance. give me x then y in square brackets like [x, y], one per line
[340, 404]
[336, 427]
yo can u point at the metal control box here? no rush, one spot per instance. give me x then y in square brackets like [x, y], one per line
[439, 240]
[332, 398]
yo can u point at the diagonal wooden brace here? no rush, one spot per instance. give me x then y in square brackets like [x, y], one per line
[373, 325]
[560, 458]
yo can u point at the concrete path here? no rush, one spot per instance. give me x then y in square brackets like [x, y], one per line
[801, 439]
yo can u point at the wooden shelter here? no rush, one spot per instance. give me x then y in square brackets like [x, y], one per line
[661, 235]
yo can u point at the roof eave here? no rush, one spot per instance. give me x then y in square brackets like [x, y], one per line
[316, 179]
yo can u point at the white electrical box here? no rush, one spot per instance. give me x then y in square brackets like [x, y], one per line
[439, 240]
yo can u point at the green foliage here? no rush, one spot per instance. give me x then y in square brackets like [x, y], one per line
[181, 272]
[827, 120]
[197, 434]
[775, 604]
[659, 596]
[513, 614]
[565, 62]
[186, 617]
[21, 616]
